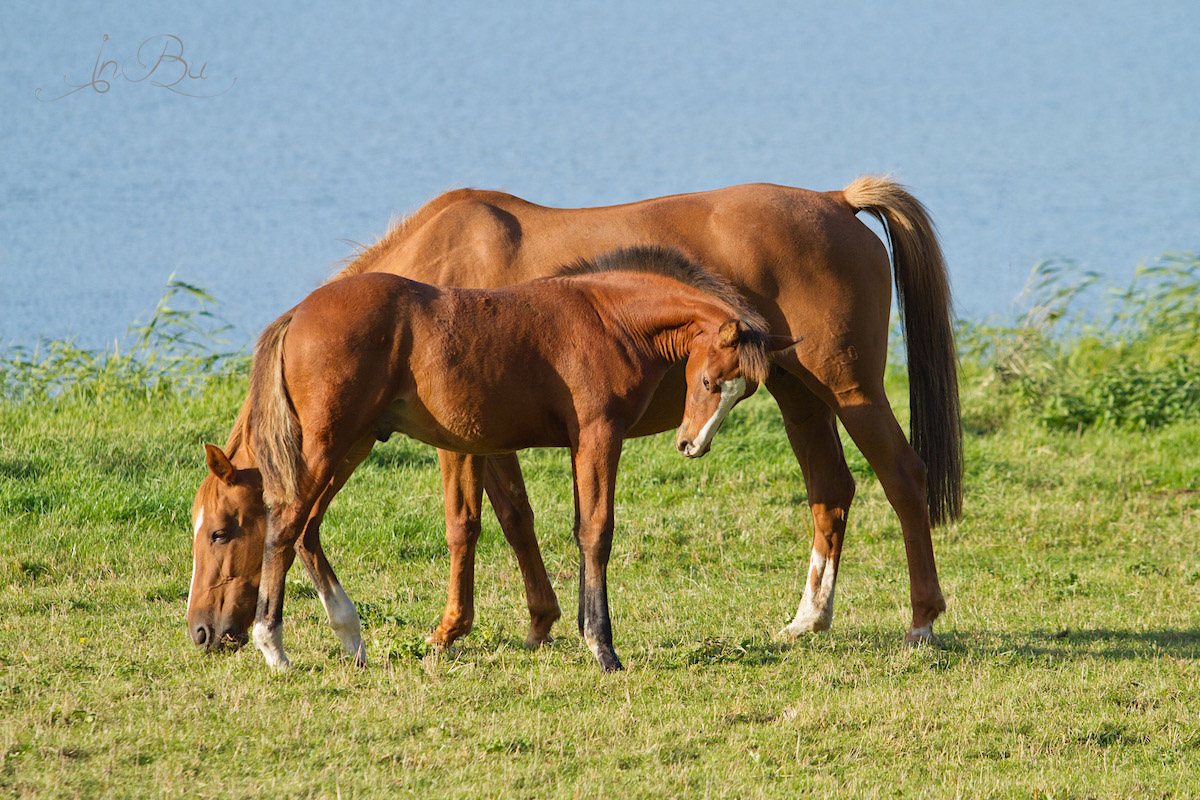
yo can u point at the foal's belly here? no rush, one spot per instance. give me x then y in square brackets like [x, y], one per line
[480, 431]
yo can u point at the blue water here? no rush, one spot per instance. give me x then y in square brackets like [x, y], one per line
[1031, 130]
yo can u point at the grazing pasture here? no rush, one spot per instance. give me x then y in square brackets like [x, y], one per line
[1067, 664]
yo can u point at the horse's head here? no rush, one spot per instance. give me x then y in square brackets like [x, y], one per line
[725, 365]
[229, 520]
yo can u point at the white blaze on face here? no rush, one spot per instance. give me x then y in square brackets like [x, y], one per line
[731, 392]
[195, 533]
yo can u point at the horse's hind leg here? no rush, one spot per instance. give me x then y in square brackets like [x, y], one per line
[869, 421]
[343, 616]
[812, 431]
[505, 487]
[462, 485]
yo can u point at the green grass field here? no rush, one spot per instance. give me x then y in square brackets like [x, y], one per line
[1067, 665]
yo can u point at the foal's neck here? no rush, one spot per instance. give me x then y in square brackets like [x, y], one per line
[668, 328]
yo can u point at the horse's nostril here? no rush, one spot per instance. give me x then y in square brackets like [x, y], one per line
[683, 445]
[201, 635]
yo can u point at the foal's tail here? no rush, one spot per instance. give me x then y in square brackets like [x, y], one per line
[273, 427]
[923, 294]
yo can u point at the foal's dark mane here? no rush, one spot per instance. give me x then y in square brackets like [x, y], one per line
[671, 263]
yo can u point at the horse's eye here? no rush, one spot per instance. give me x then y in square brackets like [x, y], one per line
[219, 536]
[704, 380]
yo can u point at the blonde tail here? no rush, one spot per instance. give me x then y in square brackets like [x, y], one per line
[923, 295]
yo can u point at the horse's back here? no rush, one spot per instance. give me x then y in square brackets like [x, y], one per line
[803, 258]
[473, 237]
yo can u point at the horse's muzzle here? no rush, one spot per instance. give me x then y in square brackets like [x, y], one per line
[206, 638]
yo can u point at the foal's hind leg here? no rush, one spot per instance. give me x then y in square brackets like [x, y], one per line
[869, 421]
[343, 616]
[505, 488]
[462, 485]
[812, 432]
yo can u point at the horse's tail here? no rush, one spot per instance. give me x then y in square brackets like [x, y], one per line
[923, 295]
[273, 426]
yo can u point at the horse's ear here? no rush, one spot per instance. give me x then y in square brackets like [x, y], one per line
[219, 465]
[730, 333]
[778, 345]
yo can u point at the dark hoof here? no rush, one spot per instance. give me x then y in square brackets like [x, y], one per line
[609, 662]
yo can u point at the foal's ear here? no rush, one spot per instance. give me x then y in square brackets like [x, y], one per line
[219, 465]
[778, 345]
[730, 333]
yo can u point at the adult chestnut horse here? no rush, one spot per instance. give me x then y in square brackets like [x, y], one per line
[808, 265]
[559, 362]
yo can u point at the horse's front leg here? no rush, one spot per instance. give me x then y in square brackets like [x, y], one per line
[462, 486]
[343, 616]
[594, 462]
[285, 525]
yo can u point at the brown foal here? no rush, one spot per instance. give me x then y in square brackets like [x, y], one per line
[570, 361]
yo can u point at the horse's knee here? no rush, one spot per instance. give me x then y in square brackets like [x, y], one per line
[462, 532]
[595, 540]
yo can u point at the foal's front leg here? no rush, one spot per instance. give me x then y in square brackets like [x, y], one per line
[594, 463]
[462, 487]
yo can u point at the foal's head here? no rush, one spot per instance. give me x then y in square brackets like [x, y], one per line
[229, 519]
[725, 365]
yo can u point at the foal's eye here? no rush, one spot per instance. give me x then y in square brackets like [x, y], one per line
[704, 380]
[219, 536]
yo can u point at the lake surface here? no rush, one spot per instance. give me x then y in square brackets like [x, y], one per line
[1031, 131]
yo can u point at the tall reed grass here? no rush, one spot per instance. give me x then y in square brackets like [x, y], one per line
[179, 348]
[1129, 358]
[1077, 355]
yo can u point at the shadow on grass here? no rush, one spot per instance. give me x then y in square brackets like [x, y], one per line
[1104, 643]
[714, 650]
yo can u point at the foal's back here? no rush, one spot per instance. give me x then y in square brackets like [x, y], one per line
[482, 371]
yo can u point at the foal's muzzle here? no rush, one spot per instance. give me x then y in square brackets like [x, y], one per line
[688, 449]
